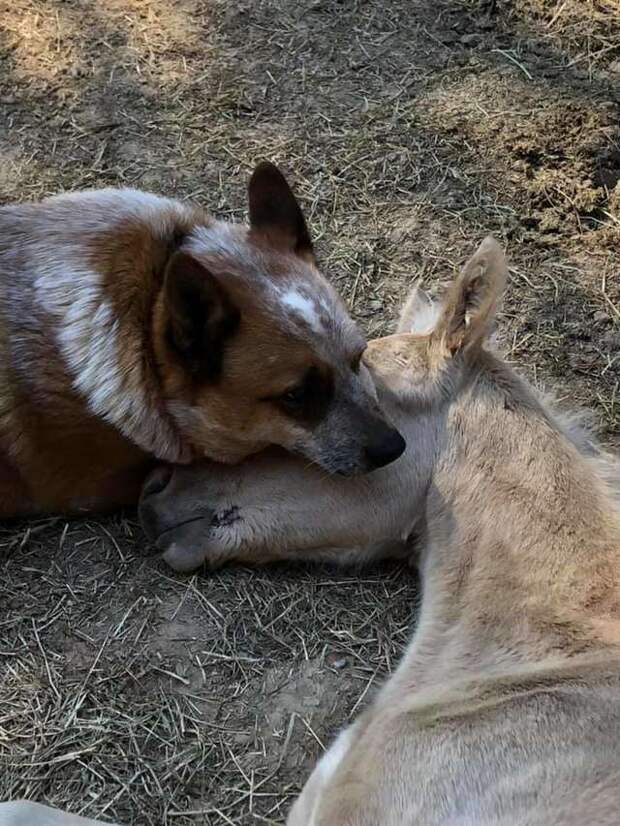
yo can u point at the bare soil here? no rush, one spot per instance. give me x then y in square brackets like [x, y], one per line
[411, 129]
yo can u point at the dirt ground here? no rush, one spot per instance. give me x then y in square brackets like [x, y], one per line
[411, 128]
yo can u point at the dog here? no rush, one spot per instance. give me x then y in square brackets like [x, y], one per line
[135, 327]
[505, 708]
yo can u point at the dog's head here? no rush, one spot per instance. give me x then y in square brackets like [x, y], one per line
[255, 348]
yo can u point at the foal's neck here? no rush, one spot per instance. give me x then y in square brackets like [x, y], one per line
[522, 560]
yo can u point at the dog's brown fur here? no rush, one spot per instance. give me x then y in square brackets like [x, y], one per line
[506, 706]
[134, 327]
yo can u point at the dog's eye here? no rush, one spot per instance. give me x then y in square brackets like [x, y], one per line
[292, 399]
[295, 396]
[308, 400]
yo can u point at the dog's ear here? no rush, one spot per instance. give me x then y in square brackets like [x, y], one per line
[471, 303]
[201, 316]
[275, 214]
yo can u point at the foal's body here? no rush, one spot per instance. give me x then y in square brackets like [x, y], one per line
[506, 706]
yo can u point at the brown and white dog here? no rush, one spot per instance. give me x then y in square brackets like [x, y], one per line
[134, 326]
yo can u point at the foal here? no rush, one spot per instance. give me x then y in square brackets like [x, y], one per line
[506, 706]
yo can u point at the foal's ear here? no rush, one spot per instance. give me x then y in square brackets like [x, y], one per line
[471, 302]
[419, 314]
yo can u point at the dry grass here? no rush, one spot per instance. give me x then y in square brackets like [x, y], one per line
[410, 130]
[131, 693]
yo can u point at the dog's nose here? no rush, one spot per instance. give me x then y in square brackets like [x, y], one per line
[386, 447]
[157, 481]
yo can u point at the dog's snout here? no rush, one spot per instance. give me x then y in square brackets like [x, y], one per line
[385, 447]
[157, 481]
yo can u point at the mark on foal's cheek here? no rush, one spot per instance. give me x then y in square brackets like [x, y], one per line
[225, 518]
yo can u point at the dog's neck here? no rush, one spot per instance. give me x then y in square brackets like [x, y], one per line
[522, 558]
[104, 350]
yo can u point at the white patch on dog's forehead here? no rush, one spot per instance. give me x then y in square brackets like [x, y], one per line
[295, 297]
[303, 306]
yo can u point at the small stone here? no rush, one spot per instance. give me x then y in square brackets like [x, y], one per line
[336, 661]
[449, 37]
[472, 39]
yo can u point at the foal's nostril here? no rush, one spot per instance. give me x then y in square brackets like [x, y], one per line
[385, 449]
[157, 481]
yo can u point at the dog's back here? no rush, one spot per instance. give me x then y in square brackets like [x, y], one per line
[28, 813]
